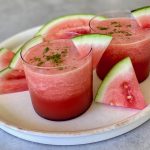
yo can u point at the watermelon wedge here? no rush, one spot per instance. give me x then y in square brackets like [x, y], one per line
[11, 86]
[120, 87]
[67, 26]
[5, 57]
[142, 15]
[12, 78]
[97, 42]
[16, 62]
[12, 81]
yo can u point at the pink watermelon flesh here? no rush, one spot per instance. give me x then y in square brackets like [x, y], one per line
[95, 43]
[124, 91]
[70, 33]
[14, 85]
[97, 52]
[144, 21]
[14, 74]
[69, 29]
[5, 59]
[13, 81]
[142, 16]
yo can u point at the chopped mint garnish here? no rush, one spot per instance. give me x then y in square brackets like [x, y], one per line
[40, 63]
[114, 22]
[46, 50]
[102, 28]
[118, 25]
[110, 33]
[64, 52]
[37, 59]
[66, 47]
[48, 58]
[119, 31]
[129, 25]
[55, 58]
[60, 68]
[74, 67]
[31, 59]
[128, 34]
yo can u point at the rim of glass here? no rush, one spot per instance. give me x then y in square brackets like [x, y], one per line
[119, 16]
[110, 12]
[55, 67]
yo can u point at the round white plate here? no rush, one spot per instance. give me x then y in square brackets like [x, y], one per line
[100, 122]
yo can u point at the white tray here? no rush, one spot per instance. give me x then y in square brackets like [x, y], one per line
[100, 122]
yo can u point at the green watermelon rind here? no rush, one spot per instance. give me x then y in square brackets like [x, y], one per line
[32, 42]
[5, 71]
[3, 51]
[58, 20]
[121, 67]
[141, 11]
[92, 39]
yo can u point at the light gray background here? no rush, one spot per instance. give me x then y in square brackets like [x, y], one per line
[19, 15]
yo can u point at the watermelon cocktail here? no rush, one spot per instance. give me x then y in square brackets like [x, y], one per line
[59, 80]
[129, 39]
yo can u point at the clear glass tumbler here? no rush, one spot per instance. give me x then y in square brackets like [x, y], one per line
[63, 91]
[129, 39]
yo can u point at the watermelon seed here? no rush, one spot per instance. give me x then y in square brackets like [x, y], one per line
[125, 85]
[128, 92]
[130, 99]
[112, 103]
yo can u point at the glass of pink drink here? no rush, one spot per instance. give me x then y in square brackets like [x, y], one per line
[129, 39]
[59, 80]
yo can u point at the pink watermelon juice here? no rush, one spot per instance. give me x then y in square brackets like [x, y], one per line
[59, 80]
[129, 39]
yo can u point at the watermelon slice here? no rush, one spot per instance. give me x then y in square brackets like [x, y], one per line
[67, 26]
[120, 87]
[97, 42]
[142, 15]
[11, 86]
[12, 81]
[16, 62]
[5, 57]
[12, 78]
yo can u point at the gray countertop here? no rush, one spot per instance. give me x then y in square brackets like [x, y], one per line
[19, 15]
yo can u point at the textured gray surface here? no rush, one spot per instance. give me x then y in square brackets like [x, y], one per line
[19, 15]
